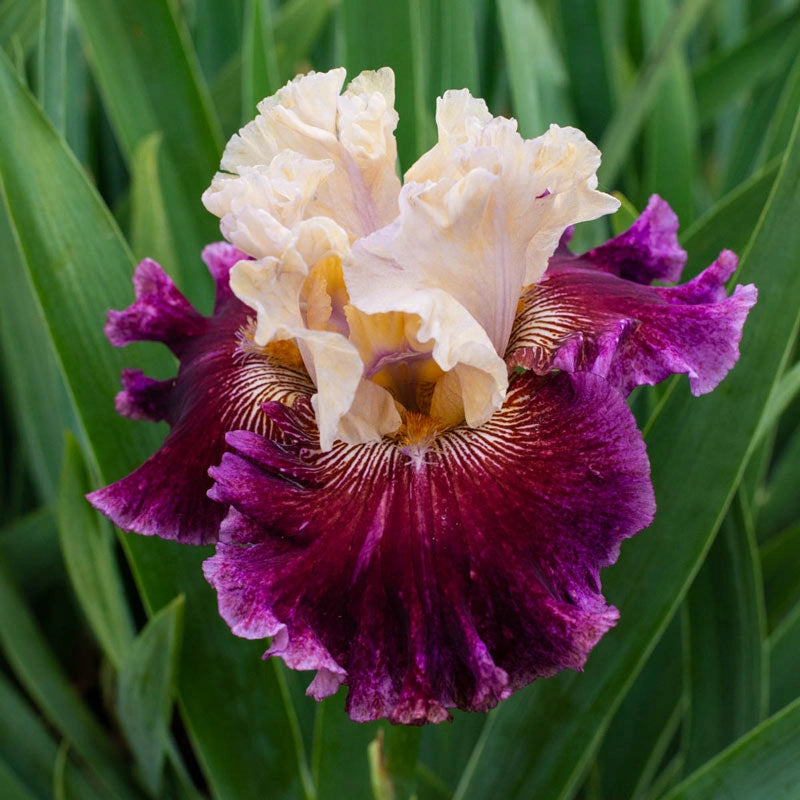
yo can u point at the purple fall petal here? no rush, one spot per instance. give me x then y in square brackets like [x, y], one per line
[218, 388]
[428, 577]
[579, 318]
[647, 251]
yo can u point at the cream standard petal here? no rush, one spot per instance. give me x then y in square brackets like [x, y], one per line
[480, 214]
[260, 207]
[353, 132]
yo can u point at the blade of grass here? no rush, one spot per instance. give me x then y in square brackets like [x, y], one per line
[670, 135]
[780, 556]
[728, 674]
[151, 233]
[632, 112]
[53, 62]
[145, 691]
[37, 669]
[763, 54]
[762, 764]
[138, 44]
[260, 73]
[691, 443]
[87, 544]
[634, 744]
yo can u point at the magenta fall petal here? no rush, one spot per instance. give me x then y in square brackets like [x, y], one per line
[218, 388]
[583, 318]
[443, 581]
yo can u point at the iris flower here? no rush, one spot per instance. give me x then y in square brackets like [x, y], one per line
[404, 425]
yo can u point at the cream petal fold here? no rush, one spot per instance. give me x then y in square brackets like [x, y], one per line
[351, 133]
[504, 201]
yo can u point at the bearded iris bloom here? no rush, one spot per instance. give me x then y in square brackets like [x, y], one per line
[404, 425]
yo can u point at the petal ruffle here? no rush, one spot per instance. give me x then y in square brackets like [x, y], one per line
[580, 318]
[479, 216]
[648, 251]
[435, 573]
[219, 387]
[350, 136]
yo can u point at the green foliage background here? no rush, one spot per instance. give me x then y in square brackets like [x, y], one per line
[117, 678]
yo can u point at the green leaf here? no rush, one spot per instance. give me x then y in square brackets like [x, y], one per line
[780, 126]
[784, 645]
[30, 547]
[632, 112]
[87, 544]
[11, 787]
[727, 671]
[670, 136]
[260, 74]
[782, 396]
[557, 724]
[393, 761]
[29, 749]
[36, 389]
[37, 669]
[52, 61]
[336, 742]
[536, 72]
[151, 232]
[748, 141]
[298, 25]
[136, 45]
[762, 764]
[145, 688]
[19, 19]
[763, 54]
[458, 47]
[780, 556]
[647, 719]
[80, 266]
[730, 222]
[780, 503]
[390, 35]
[588, 63]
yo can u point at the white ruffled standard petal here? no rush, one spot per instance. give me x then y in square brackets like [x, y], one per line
[479, 216]
[352, 134]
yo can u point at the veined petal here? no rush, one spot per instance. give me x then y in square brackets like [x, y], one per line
[351, 134]
[219, 387]
[580, 318]
[433, 572]
[275, 289]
